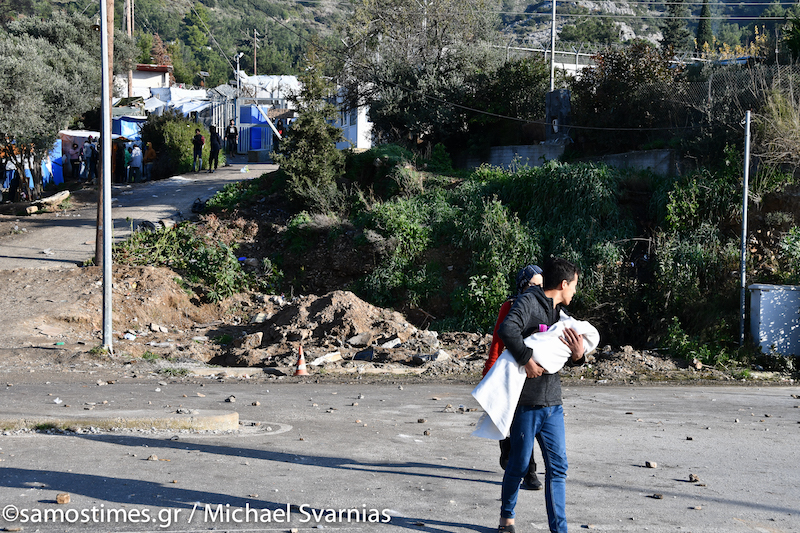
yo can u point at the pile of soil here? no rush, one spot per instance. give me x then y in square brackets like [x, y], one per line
[53, 320]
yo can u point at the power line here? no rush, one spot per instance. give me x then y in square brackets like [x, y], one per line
[482, 111]
[213, 39]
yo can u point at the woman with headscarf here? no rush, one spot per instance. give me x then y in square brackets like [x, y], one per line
[527, 277]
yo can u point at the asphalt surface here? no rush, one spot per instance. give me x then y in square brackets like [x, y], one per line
[69, 240]
[321, 448]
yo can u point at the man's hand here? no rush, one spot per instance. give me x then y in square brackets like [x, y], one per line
[533, 370]
[574, 342]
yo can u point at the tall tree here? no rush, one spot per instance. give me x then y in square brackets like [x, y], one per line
[410, 60]
[308, 154]
[49, 75]
[623, 96]
[675, 28]
[704, 33]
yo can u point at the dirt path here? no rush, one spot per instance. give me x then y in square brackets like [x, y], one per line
[66, 238]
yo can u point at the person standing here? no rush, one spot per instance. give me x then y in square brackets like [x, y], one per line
[232, 139]
[276, 137]
[539, 414]
[93, 160]
[528, 277]
[197, 142]
[75, 161]
[87, 158]
[136, 163]
[128, 154]
[149, 158]
[215, 145]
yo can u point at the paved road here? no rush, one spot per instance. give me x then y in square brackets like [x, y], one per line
[323, 447]
[70, 239]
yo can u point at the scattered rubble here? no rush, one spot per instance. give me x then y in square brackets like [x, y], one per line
[159, 326]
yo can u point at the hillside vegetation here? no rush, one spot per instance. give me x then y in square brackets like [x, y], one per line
[659, 255]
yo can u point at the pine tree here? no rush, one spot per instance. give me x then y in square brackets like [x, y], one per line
[308, 154]
[675, 28]
[704, 34]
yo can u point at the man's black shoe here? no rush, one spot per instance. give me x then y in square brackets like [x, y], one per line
[531, 482]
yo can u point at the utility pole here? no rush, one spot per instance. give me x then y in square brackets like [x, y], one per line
[102, 176]
[743, 254]
[103, 242]
[255, 52]
[553, 49]
[129, 27]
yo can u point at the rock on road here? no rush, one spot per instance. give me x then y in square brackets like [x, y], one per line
[722, 459]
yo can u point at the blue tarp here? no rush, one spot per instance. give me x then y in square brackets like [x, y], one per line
[53, 170]
[251, 115]
[128, 127]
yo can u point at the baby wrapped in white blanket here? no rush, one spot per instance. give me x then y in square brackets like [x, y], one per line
[498, 392]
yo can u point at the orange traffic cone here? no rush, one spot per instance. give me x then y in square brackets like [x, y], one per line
[301, 364]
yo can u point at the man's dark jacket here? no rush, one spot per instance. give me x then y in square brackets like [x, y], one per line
[530, 309]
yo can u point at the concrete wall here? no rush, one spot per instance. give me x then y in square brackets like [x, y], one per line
[532, 155]
[662, 162]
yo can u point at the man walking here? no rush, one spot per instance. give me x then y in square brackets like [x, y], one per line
[197, 142]
[539, 412]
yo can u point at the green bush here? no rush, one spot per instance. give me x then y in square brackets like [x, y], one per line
[211, 263]
[233, 194]
[372, 169]
[171, 134]
[789, 247]
[308, 155]
[178, 144]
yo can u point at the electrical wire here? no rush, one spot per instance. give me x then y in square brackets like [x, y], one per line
[482, 111]
[213, 39]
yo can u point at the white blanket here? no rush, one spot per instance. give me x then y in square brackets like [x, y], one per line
[498, 392]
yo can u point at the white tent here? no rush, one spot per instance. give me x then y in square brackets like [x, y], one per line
[153, 104]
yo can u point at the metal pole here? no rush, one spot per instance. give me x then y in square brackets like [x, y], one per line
[553, 49]
[129, 26]
[743, 259]
[105, 136]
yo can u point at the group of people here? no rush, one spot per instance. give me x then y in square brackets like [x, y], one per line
[133, 165]
[215, 145]
[83, 160]
[128, 164]
[539, 416]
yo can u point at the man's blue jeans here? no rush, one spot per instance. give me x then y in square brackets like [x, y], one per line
[198, 154]
[546, 424]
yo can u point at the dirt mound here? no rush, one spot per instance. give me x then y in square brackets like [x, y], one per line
[338, 322]
[145, 295]
[54, 318]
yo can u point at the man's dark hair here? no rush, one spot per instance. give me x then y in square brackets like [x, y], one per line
[557, 270]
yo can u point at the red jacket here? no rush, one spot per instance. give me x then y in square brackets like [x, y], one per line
[497, 346]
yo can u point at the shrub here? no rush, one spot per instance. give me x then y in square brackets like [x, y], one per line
[171, 135]
[232, 195]
[372, 168]
[211, 263]
[308, 155]
[789, 247]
